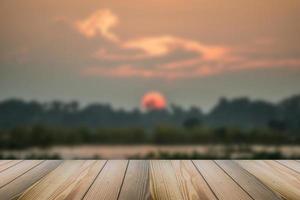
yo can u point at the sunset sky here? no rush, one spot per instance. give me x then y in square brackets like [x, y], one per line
[191, 51]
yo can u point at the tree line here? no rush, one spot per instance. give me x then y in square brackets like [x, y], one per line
[239, 112]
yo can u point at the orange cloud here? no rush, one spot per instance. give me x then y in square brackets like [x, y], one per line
[100, 22]
[206, 60]
[162, 45]
[193, 71]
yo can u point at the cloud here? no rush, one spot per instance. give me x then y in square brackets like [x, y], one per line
[162, 45]
[132, 57]
[159, 46]
[101, 22]
[194, 70]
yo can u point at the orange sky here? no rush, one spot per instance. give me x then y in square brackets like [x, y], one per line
[207, 59]
[179, 43]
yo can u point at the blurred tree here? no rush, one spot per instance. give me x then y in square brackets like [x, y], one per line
[191, 123]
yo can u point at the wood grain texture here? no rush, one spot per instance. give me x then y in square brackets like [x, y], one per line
[156, 179]
[4, 161]
[255, 188]
[163, 183]
[8, 163]
[17, 170]
[177, 180]
[192, 185]
[108, 183]
[292, 164]
[136, 182]
[20, 184]
[222, 185]
[279, 178]
[68, 181]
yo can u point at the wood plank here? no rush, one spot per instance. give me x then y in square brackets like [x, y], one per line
[19, 185]
[192, 184]
[177, 180]
[279, 178]
[222, 185]
[4, 161]
[247, 181]
[108, 183]
[159, 179]
[163, 183]
[8, 164]
[292, 164]
[17, 170]
[136, 182]
[70, 180]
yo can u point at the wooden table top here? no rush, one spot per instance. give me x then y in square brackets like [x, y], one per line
[154, 179]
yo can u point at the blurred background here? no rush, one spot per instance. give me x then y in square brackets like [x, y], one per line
[162, 79]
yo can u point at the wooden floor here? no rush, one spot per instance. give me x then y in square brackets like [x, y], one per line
[142, 179]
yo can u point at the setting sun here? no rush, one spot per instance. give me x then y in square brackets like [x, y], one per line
[153, 101]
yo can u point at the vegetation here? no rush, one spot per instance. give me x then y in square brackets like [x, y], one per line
[231, 122]
[45, 136]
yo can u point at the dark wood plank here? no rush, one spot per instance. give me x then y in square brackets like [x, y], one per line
[222, 185]
[108, 184]
[20, 184]
[136, 182]
[247, 181]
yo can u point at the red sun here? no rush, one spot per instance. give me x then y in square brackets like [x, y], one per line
[153, 101]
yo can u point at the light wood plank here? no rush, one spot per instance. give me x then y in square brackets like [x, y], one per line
[17, 170]
[279, 178]
[19, 185]
[70, 180]
[250, 183]
[292, 164]
[222, 185]
[175, 179]
[108, 184]
[4, 161]
[163, 183]
[191, 183]
[8, 164]
[178, 180]
[136, 182]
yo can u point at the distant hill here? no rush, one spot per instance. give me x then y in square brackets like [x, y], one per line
[239, 112]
